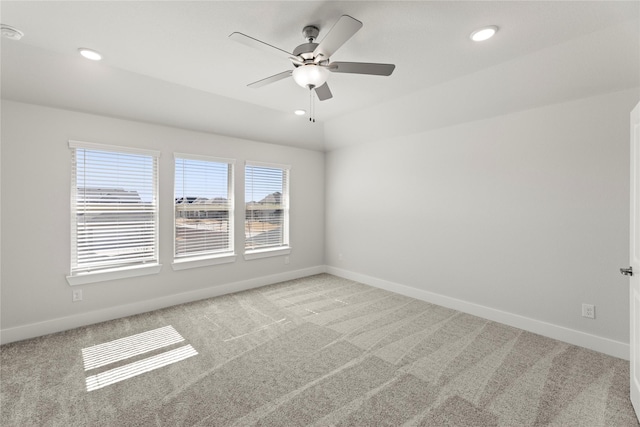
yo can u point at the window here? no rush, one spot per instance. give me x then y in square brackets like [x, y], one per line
[203, 208]
[114, 209]
[266, 208]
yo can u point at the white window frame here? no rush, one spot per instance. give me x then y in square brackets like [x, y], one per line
[229, 256]
[285, 247]
[79, 276]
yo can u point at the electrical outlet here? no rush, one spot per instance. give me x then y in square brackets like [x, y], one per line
[286, 260]
[340, 257]
[76, 295]
[589, 311]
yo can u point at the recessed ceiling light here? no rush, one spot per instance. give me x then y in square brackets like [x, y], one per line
[11, 33]
[90, 54]
[300, 112]
[484, 33]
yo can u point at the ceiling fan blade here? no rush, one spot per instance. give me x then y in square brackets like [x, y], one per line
[323, 92]
[272, 79]
[257, 44]
[362, 68]
[342, 31]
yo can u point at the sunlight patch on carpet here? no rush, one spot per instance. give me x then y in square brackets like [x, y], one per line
[112, 376]
[124, 348]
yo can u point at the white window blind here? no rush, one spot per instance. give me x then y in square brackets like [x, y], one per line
[114, 208]
[266, 206]
[203, 206]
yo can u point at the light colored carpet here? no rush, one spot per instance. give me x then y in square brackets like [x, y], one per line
[317, 351]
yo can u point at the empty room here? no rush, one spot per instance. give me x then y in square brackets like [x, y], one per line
[320, 213]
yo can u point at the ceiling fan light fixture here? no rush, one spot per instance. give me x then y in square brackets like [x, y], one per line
[484, 33]
[310, 75]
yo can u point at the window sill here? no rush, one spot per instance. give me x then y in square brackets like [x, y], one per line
[267, 253]
[113, 274]
[183, 264]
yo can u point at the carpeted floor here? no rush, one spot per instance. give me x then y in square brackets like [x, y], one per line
[317, 351]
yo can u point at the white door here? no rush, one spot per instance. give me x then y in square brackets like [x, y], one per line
[633, 272]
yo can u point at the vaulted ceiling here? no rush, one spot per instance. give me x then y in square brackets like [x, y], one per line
[172, 62]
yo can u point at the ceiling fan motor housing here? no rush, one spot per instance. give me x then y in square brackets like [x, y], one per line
[305, 50]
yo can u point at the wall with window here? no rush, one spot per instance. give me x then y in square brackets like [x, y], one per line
[36, 223]
[522, 217]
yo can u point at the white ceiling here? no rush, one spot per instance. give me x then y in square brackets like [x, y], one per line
[172, 62]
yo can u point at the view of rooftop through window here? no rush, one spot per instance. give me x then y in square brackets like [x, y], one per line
[266, 206]
[114, 207]
[96, 172]
[115, 199]
[203, 207]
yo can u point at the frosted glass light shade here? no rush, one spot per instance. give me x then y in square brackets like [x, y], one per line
[310, 75]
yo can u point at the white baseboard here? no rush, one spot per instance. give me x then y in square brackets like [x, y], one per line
[571, 336]
[60, 324]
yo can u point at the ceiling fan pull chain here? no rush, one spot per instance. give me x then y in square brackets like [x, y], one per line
[312, 105]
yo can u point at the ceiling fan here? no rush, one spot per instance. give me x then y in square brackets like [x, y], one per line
[311, 61]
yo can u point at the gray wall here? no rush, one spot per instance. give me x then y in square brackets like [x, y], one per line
[526, 213]
[36, 164]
